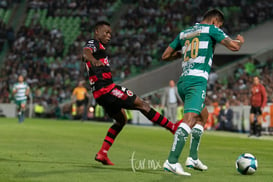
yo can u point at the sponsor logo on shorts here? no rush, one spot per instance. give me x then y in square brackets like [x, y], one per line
[203, 94]
[117, 93]
[129, 93]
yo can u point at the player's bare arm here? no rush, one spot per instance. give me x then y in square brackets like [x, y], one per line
[88, 56]
[233, 45]
[170, 54]
[87, 95]
[27, 91]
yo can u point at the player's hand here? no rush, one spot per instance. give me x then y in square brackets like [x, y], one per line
[240, 38]
[177, 54]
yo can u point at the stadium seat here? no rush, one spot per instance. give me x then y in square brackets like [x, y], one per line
[2, 11]
[7, 16]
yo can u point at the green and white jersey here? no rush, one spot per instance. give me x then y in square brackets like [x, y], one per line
[197, 45]
[21, 91]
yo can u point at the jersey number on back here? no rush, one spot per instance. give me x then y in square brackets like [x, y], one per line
[194, 48]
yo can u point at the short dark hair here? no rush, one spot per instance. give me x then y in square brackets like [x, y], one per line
[100, 23]
[214, 13]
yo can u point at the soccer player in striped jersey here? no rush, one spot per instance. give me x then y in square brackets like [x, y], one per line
[20, 91]
[195, 46]
[114, 98]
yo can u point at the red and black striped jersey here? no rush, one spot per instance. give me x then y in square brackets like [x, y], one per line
[100, 78]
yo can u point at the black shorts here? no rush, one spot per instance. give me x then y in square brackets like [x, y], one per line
[118, 98]
[80, 102]
[255, 110]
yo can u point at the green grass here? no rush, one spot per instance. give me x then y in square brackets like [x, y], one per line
[52, 150]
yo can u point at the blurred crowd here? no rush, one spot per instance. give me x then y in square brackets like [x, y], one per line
[36, 53]
[141, 32]
[148, 26]
[8, 3]
[236, 88]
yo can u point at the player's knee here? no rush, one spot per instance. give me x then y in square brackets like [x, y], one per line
[191, 119]
[190, 122]
[204, 116]
[121, 118]
[121, 123]
[146, 106]
[143, 106]
[260, 119]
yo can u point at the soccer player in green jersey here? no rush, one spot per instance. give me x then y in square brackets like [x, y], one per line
[195, 45]
[20, 91]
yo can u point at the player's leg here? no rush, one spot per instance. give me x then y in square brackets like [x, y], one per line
[85, 107]
[153, 115]
[81, 111]
[193, 97]
[167, 112]
[197, 131]
[128, 100]
[19, 113]
[259, 123]
[252, 129]
[109, 139]
[174, 113]
[78, 105]
[180, 138]
[172, 110]
[23, 108]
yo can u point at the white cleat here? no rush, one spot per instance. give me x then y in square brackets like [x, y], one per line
[175, 168]
[196, 164]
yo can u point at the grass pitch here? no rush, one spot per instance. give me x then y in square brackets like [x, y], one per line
[63, 151]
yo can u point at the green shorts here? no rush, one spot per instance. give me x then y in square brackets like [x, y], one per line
[193, 94]
[19, 102]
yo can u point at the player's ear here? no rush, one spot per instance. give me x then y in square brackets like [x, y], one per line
[97, 31]
[214, 21]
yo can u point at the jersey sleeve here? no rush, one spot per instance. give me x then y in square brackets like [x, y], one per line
[217, 34]
[175, 44]
[264, 96]
[92, 45]
[74, 91]
[14, 87]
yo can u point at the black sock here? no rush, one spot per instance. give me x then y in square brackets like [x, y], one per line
[157, 118]
[252, 129]
[258, 130]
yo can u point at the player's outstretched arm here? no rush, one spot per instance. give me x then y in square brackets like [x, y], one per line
[170, 54]
[14, 91]
[88, 56]
[27, 91]
[233, 45]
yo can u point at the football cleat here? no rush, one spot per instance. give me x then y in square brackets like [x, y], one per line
[176, 126]
[103, 159]
[196, 164]
[175, 168]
